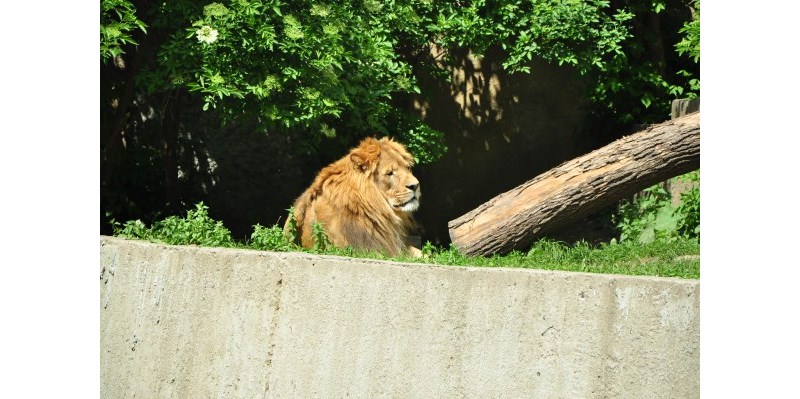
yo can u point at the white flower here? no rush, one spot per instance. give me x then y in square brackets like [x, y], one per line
[207, 34]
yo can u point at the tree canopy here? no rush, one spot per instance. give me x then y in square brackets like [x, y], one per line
[334, 66]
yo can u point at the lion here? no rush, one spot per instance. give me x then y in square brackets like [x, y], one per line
[364, 201]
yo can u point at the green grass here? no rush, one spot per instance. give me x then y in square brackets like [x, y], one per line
[673, 257]
[676, 258]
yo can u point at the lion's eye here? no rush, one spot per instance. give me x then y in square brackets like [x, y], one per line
[389, 173]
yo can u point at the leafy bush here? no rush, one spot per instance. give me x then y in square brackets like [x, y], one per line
[196, 228]
[132, 229]
[118, 21]
[690, 45]
[322, 242]
[337, 68]
[689, 209]
[270, 239]
[651, 216]
[647, 217]
[326, 67]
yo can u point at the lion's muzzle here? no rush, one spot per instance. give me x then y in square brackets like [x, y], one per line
[410, 205]
[410, 202]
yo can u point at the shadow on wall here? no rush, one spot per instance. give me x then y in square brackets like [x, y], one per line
[501, 130]
[245, 174]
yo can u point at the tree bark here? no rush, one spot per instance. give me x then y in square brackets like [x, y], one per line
[580, 187]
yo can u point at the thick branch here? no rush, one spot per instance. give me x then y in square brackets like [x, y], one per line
[580, 187]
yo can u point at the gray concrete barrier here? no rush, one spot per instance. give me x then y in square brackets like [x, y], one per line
[189, 322]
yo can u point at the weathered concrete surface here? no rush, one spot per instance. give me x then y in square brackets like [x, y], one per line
[188, 322]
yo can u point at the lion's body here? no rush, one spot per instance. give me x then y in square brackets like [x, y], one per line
[364, 200]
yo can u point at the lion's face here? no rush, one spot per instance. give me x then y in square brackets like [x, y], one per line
[389, 164]
[398, 185]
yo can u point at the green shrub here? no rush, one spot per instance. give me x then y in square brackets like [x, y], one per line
[197, 228]
[131, 229]
[118, 22]
[651, 216]
[689, 209]
[689, 45]
[321, 240]
[276, 239]
[270, 239]
[292, 230]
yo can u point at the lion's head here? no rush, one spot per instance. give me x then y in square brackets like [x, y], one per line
[388, 164]
[364, 200]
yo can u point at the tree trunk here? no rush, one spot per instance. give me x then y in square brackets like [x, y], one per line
[580, 187]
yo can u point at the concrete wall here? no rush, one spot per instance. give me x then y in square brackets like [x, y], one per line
[188, 322]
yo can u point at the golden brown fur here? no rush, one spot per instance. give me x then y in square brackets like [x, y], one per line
[364, 200]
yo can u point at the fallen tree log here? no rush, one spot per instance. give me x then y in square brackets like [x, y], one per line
[579, 188]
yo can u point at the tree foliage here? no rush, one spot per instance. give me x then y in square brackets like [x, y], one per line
[690, 46]
[118, 22]
[335, 66]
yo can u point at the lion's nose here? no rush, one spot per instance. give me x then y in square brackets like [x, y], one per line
[413, 187]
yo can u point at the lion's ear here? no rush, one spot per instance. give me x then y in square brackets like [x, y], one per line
[366, 155]
[360, 161]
